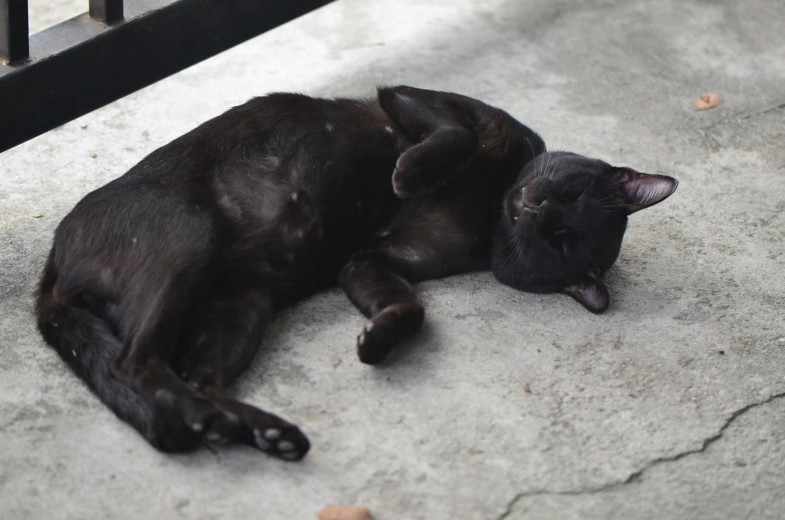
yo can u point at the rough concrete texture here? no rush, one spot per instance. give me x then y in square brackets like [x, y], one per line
[509, 405]
[46, 13]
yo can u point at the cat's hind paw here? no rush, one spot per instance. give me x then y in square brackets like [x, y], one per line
[287, 444]
[267, 432]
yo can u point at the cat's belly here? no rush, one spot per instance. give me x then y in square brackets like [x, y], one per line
[294, 239]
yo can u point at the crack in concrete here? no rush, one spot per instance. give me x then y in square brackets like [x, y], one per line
[741, 116]
[763, 111]
[708, 131]
[637, 476]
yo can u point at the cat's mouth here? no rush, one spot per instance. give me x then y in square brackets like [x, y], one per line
[513, 204]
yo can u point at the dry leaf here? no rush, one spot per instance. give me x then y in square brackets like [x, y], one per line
[344, 513]
[708, 101]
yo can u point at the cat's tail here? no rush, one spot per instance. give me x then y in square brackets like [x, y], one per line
[87, 343]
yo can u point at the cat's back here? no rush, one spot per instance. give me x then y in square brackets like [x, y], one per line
[334, 151]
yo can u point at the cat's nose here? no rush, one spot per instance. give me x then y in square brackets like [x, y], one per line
[532, 200]
[534, 204]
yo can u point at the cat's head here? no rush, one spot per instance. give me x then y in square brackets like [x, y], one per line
[563, 222]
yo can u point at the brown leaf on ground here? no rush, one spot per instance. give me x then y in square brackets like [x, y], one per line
[707, 101]
[344, 513]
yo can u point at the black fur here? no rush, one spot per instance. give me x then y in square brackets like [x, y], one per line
[161, 283]
[563, 223]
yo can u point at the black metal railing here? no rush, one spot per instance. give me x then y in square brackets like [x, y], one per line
[79, 65]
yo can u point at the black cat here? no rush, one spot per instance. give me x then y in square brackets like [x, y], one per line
[160, 284]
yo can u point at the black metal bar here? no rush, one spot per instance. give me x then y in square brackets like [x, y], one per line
[14, 45]
[107, 11]
[80, 65]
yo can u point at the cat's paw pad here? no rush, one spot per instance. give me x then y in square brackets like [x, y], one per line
[362, 338]
[204, 378]
[201, 419]
[288, 444]
[217, 437]
[213, 424]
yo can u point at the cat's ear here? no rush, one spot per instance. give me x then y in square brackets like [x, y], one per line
[590, 292]
[642, 190]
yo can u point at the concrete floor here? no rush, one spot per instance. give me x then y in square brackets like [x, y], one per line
[668, 406]
[43, 14]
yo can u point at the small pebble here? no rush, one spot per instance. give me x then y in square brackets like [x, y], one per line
[707, 101]
[344, 513]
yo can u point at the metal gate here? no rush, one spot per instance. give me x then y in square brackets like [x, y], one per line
[65, 71]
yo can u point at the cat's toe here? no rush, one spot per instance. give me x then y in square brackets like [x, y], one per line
[203, 377]
[219, 428]
[272, 434]
[261, 443]
[293, 445]
[264, 439]
[217, 437]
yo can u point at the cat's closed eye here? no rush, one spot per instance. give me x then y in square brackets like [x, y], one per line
[571, 195]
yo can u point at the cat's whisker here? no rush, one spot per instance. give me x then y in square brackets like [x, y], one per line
[532, 148]
[544, 165]
[548, 167]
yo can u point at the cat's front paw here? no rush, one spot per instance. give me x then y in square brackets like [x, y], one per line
[409, 177]
[393, 325]
[407, 181]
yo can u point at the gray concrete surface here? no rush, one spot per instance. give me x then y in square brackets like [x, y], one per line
[43, 14]
[668, 406]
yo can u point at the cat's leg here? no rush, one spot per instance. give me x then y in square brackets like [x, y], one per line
[183, 416]
[425, 241]
[375, 286]
[226, 336]
[444, 138]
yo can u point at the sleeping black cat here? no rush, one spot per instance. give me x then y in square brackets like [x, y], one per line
[160, 284]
